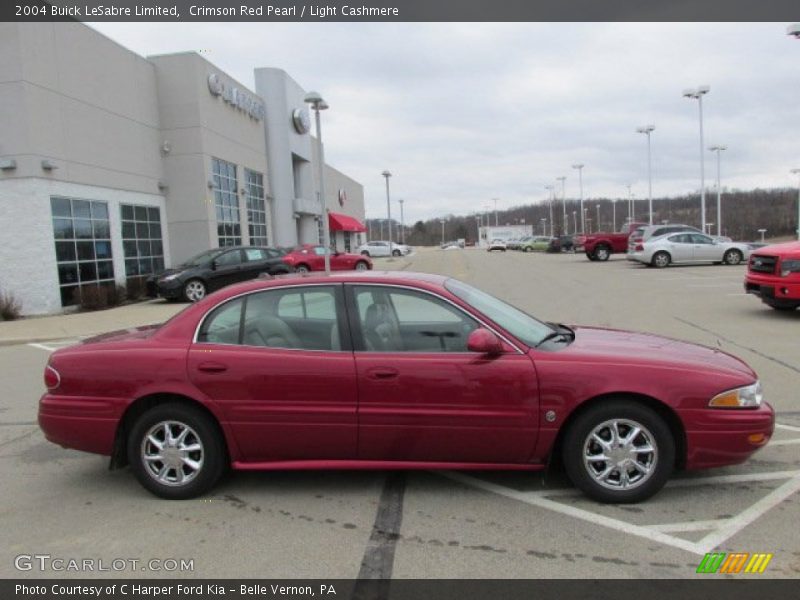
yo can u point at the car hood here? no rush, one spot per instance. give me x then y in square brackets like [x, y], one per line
[629, 347]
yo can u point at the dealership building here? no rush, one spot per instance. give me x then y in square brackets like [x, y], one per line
[114, 166]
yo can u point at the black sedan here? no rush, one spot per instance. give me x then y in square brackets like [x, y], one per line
[214, 269]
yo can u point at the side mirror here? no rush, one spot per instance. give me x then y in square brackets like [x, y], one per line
[484, 341]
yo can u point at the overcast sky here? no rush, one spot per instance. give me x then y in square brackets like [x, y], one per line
[462, 113]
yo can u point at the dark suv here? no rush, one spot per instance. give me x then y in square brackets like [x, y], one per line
[214, 269]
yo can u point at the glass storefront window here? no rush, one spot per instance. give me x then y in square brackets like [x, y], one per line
[141, 240]
[256, 208]
[226, 202]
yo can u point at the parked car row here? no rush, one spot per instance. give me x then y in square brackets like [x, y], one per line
[219, 267]
[540, 243]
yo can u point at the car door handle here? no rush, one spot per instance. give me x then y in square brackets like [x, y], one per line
[382, 373]
[212, 367]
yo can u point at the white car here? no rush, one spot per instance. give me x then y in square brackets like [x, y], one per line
[383, 248]
[497, 245]
[687, 248]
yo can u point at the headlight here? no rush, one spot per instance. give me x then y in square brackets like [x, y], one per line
[790, 266]
[744, 397]
[169, 277]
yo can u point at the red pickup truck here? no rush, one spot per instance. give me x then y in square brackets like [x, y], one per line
[773, 274]
[599, 246]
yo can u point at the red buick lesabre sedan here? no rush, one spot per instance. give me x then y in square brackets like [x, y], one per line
[397, 371]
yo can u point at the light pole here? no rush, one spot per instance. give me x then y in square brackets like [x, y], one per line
[718, 149]
[549, 188]
[442, 222]
[647, 130]
[495, 211]
[697, 94]
[543, 221]
[318, 104]
[585, 219]
[369, 230]
[597, 206]
[630, 204]
[387, 174]
[579, 166]
[381, 221]
[797, 172]
[402, 225]
[575, 220]
[478, 223]
[563, 180]
[614, 214]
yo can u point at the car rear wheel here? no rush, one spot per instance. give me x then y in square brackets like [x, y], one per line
[302, 269]
[396, 253]
[362, 266]
[661, 260]
[732, 257]
[619, 452]
[194, 290]
[176, 452]
[528, 249]
[602, 253]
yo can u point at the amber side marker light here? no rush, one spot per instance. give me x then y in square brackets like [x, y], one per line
[758, 439]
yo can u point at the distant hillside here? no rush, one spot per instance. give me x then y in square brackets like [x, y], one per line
[743, 214]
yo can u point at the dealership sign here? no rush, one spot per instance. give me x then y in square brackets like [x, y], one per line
[236, 97]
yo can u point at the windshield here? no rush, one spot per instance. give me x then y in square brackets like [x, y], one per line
[519, 324]
[202, 258]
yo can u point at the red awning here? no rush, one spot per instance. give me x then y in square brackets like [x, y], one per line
[338, 222]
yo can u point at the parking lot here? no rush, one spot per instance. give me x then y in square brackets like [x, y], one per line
[428, 524]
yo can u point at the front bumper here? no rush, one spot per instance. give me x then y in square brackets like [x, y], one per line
[172, 289]
[772, 290]
[719, 437]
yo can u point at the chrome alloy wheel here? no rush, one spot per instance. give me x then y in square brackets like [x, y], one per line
[620, 454]
[195, 290]
[172, 453]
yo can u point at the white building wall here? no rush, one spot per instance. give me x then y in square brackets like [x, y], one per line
[28, 269]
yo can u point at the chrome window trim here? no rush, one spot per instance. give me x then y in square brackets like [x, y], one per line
[505, 338]
[243, 294]
[453, 304]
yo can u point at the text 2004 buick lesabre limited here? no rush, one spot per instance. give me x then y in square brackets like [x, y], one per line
[409, 371]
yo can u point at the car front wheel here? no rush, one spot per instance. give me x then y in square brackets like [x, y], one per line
[602, 253]
[619, 452]
[176, 452]
[396, 253]
[302, 269]
[362, 266]
[194, 290]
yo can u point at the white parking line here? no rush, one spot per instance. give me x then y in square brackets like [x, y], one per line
[738, 522]
[723, 528]
[688, 526]
[54, 345]
[787, 427]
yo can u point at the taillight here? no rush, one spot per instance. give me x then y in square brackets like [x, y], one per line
[52, 379]
[639, 248]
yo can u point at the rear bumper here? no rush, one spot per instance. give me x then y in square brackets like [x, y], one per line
[719, 437]
[87, 424]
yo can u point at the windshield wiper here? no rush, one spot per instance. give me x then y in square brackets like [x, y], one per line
[562, 331]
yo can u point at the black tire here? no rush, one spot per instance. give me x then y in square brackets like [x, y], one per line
[203, 431]
[302, 269]
[733, 257]
[194, 290]
[396, 253]
[661, 259]
[602, 252]
[362, 266]
[590, 256]
[364, 253]
[654, 432]
[528, 249]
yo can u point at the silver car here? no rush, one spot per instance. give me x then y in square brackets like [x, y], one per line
[687, 248]
[383, 248]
